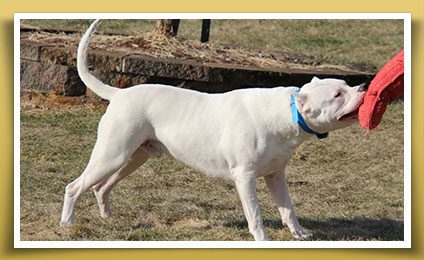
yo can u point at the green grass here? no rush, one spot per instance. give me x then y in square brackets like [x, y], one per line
[346, 187]
[366, 44]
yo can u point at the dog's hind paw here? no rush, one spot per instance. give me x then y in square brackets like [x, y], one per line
[302, 234]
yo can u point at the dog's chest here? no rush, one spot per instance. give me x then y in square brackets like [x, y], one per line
[273, 162]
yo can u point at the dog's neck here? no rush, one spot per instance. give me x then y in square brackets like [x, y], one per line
[281, 124]
[295, 137]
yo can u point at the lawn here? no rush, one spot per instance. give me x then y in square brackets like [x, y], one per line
[346, 187]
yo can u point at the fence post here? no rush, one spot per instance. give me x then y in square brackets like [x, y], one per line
[206, 25]
[168, 27]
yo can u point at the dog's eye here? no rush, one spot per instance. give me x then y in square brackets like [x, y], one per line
[338, 95]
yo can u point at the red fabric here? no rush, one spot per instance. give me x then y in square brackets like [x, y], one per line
[386, 86]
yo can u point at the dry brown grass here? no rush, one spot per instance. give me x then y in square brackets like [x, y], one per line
[157, 45]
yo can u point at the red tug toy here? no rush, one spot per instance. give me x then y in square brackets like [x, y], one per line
[386, 86]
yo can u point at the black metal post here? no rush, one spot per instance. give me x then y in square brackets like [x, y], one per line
[175, 24]
[206, 25]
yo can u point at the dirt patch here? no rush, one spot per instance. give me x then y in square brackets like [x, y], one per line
[192, 223]
[36, 102]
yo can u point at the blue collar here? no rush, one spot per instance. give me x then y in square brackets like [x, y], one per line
[298, 119]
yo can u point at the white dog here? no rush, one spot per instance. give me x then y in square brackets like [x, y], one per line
[240, 135]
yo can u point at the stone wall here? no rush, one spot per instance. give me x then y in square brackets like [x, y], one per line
[47, 68]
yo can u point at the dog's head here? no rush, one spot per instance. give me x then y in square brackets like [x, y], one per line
[329, 104]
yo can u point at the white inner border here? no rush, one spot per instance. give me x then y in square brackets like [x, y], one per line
[406, 17]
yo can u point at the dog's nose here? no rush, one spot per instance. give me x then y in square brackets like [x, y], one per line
[363, 87]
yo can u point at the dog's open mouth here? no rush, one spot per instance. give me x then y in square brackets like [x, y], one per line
[353, 114]
[350, 115]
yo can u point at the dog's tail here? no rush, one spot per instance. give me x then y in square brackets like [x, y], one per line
[103, 90]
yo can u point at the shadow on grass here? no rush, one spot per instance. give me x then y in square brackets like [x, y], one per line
[337, 229]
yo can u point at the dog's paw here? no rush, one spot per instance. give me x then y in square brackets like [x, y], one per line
[106, 214]
[65, 224]
[302, 234]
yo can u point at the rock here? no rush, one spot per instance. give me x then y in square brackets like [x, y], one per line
[46, 77]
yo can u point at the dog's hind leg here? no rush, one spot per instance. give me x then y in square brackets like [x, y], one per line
[96, 171]
[277, 185]
[103, 189]
[114, 147]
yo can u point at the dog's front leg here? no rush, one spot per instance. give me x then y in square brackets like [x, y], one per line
[246, 186]
[277, 185]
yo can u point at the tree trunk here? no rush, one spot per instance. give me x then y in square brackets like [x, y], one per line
[168, 27]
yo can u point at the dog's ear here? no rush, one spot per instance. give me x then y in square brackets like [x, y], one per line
[301, 99]
[315, 79]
